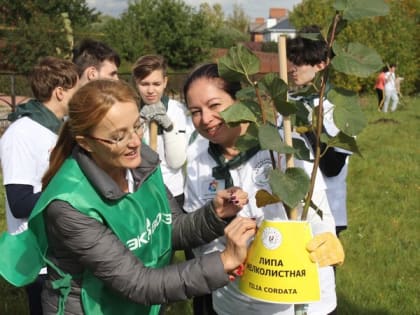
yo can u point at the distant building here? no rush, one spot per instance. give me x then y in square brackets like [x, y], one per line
[266, 30]
[262, 30]
[256, 29]
[283, 27]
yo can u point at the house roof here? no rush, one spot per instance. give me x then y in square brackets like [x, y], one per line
[255, 27]
[282, 25]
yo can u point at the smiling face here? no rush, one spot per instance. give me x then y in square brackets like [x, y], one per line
[120, 122]
[151, 88]
[206, 99]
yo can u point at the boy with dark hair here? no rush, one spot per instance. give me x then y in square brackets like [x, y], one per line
[95, 60]
[26, 145]
[307, 55]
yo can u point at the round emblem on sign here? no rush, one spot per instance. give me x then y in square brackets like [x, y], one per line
[271, 238]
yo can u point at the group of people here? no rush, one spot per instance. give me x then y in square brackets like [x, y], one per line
[106, 210]
[387, 87]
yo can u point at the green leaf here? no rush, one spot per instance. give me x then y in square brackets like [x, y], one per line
[358, 9]
[246, 93]
[301, 150]
[249, 139]
[312, 36]
[285, 108]
[343, 141]
[277, 90]
[275, 86]
[270, 139]
[239, 63]
[347, 115]
[301, 117]
[356, 59]
[291, 186]
[241, 112]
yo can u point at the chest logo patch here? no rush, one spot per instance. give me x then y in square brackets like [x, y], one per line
[261, 171]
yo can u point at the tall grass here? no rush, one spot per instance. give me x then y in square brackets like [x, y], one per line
[380, 273]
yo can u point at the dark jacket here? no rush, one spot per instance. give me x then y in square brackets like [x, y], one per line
[77, 242]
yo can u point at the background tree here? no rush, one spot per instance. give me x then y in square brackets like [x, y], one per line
[214, 14]
[126, 36]
[167, 27]
[183, 34]
[395, 37]
[222, 35]
[227, 37]
[13, 12]
[270, 47]
[36, 28]
[238, 19]
[232, 29]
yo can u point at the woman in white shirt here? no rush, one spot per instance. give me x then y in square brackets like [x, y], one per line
[221, 166]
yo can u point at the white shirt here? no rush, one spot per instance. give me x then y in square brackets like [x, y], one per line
[25, 149]
[390, 81]
[336, 185]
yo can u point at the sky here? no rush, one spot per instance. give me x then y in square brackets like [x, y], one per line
[252, 8]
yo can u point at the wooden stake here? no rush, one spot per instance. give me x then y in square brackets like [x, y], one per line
[287, 123]
[153, 131]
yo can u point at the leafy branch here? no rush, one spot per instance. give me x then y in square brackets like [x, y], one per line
[261, 102]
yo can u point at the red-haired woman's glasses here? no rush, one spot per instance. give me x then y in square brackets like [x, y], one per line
[122, 139]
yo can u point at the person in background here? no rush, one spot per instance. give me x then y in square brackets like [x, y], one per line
[391, 92]
[26, 145]
[307, 57]
[107, 224]
[95, 60]
[150, 77]
[379, 87]
[220, 167]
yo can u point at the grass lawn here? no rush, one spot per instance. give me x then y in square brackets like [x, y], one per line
[380, 273]
[382, 242]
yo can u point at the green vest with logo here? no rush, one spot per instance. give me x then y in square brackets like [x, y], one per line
[141, 220]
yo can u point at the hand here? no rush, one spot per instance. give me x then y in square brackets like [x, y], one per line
[326, 250]
[157, 112]
[237, 233]
[227, 203]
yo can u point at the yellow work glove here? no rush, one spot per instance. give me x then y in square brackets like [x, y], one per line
[326, 250]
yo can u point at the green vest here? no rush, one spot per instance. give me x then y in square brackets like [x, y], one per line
[141, 220]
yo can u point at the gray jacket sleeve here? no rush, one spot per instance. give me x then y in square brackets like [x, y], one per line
[196, 228]
[79, 242]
